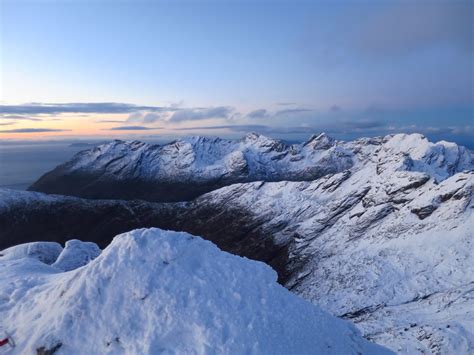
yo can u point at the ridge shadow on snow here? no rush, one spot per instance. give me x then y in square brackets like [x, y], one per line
[30, 216]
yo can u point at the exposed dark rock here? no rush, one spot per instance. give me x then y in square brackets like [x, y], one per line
[370, 218]
[233, 230]
[415, 182]
[92, 186]
[334, 181]
[425, 211]
[44, 351]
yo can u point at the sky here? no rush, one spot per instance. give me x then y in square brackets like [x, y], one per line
[123, 69]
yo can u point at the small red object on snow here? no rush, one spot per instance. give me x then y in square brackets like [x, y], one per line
[4, 342]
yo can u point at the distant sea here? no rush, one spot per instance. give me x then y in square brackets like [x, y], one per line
[23, 163]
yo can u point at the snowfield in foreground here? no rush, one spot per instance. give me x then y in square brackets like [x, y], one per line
[155, 291]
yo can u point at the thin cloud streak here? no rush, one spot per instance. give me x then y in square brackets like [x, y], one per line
[132, 128]
[110, 121]
[361, 128]
[285, 103]
[261, 113]
[33, 130]
[147, 117]
[253, 128]
[19, 118]
[195, 114]
[97, 107]
[292, 111]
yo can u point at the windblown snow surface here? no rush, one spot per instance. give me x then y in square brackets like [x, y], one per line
[154, 291]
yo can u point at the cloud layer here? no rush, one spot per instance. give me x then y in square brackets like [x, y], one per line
[19, 118]
[195, 114]
[33, 130]
[289, 121]
[95, 107]
[132, 128]
[406, 26]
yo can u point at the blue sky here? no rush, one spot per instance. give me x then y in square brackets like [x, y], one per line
[286, 68]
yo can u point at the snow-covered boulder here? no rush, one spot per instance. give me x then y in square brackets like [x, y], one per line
[76, 254]
[154, 291]
[46, 252]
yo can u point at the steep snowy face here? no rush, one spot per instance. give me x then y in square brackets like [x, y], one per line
[413, 152]
[187, 168]
[153, 291]
[392, 251]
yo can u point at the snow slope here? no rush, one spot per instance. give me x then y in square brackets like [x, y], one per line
[154, 291]
[385, 242]
[46, 252]
[76, 254]
[187, 168]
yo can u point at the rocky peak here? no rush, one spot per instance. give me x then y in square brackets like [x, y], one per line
[260, 141]
[320, 141]
[251, 136]
[413, 152]
[196, 140]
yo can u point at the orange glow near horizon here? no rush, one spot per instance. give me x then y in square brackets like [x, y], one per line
[68, 126]
[96, 126]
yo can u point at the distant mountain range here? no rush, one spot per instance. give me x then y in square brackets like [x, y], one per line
[376, 230]
[187, 168]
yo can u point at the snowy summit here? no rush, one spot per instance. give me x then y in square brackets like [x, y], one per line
[154, 291]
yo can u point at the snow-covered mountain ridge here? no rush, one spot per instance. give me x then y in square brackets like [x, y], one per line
[385, 242]
[187, 168]
[358, 247]
[153, 291]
